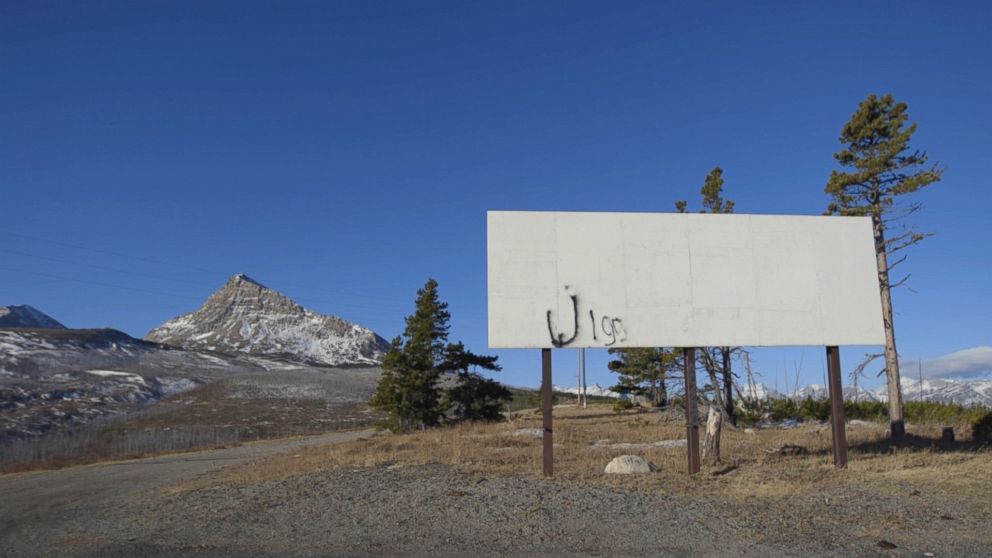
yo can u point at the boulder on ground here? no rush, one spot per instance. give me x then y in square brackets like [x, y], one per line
[629, 465]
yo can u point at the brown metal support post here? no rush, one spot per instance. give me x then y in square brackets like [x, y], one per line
[691, 413]
[836, 407]
[546, 436]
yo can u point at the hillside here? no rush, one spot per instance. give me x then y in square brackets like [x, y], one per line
[26, 316]
[245, 316]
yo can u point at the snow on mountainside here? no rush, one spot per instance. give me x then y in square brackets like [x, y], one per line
[26, 316]
[247, 317]
[942, 390]
[594, 390]
[966, 392]
[57, 380]
[963, 392]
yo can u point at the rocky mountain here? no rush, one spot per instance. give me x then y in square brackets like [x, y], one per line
[961, 391]
[594, 390]
[57, 380]
[247, 317]
[820, 391]
[26, 316]
[52, 379]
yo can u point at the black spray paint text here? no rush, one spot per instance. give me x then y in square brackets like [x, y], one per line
[610, 327]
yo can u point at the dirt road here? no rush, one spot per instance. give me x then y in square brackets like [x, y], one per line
[394, 509]
[61, 512]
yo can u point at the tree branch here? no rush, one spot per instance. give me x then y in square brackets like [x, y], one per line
[859, 370]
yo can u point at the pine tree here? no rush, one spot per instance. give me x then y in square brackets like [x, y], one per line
[642, 372]
[473, 397]
[883, 167]
[716, 361]
[410, 391]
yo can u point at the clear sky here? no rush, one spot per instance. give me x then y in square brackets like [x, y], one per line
[342, 153]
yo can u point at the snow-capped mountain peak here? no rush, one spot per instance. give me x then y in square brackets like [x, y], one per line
[241, 277]
[594, 390]
[245, 316]
[975, 391]
[23, 315]
[943, 390]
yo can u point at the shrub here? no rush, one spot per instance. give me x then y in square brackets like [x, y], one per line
[866, 410]
[784, 409]
[814, 409]
[623, 405]
[922, 412]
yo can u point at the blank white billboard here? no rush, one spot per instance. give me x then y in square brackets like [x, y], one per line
[570, 279]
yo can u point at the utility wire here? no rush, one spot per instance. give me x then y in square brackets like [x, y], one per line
[149, 275]
[104, 268]
[88, 282]
[391, 310]
[185, 266]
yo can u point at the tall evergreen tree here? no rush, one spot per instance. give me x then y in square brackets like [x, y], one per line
[716, 361]
[473, 397]
[410, 389]
[642, 372]
[882, 168]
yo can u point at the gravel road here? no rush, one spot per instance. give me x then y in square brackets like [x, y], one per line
[126, 509]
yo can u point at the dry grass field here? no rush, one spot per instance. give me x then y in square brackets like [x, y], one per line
[586, 440]
[478, 489]
[222, 413]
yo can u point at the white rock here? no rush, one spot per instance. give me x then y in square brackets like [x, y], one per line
[535, 432]
[628, 465]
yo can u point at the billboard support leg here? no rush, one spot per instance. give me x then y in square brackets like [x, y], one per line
[546, 436]
[691, 412]
[836, 407]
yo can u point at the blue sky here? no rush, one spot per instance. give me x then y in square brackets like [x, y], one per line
[342, 153]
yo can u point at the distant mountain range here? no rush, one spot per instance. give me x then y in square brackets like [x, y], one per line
[244, 316]
[244, 337]
[976, 391]
[26, 316]
[594, 390]
[962, 392]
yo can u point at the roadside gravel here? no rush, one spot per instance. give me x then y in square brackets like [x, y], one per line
[431, 510]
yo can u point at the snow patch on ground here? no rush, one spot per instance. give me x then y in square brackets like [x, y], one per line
[125, 376]
[172, 386]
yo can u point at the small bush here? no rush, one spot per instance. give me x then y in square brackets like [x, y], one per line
[809, 409]
[866, 410]
[784, 409]
[623, 405]
[814, 409]
[922, 412]
[748, 417]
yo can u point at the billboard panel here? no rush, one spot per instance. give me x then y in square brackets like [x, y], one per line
[573, 279]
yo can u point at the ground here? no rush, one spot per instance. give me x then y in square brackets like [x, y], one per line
[477, 489]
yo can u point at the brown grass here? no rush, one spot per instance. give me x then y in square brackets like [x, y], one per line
[582, 436]
[203, 418]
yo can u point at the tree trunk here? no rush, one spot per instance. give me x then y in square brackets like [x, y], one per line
[896, 422]
[711, 442]
[728, 386]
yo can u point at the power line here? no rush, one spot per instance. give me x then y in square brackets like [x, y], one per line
[177, 265]
[104, 268]
[108, 252]
[336, 304]
[99, 283]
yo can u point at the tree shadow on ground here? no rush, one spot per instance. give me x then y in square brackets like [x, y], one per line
[913, 442]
